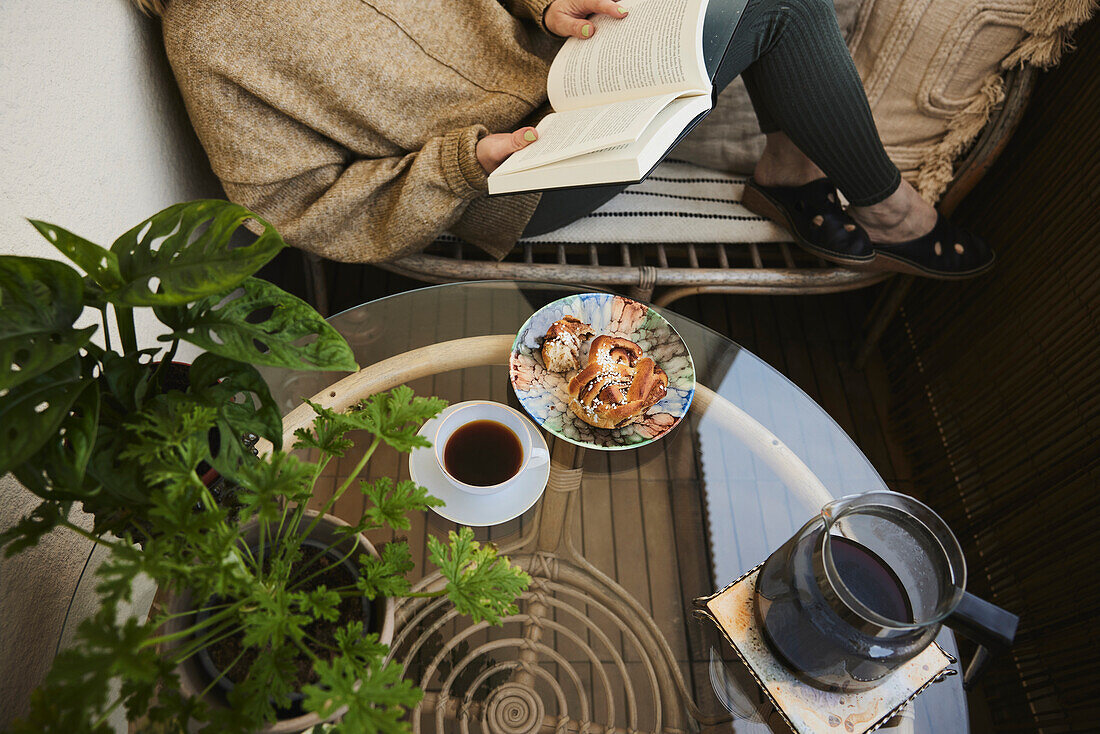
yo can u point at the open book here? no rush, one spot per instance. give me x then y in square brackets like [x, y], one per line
[621, 99]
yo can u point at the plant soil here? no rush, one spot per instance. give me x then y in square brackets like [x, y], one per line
[319, 632]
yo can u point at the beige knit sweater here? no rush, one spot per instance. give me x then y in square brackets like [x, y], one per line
[352, 124]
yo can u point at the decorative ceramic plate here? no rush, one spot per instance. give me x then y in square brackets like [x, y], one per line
[545, 395]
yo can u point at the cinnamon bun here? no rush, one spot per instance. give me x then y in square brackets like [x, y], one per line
[617, 385]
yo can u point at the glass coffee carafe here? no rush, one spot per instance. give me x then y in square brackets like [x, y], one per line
[864, 587]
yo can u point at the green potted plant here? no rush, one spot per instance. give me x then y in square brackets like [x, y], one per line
[65, 401]
[251, 580]
[101, 426]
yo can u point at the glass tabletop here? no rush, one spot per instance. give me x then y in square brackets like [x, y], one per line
[620, 544]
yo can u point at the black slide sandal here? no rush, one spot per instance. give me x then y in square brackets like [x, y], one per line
[813, 215]
[947, 252]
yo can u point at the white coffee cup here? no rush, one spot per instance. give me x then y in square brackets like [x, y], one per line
[480, 410]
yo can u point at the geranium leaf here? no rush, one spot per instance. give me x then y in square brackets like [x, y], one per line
[327, 431]
[319, 603]
[481, 584]
[376, 694]
[39, 301]
[183, 254]
[260, 323]
[395, 416]
[169, 438]
[263, 485]
[391, 504]
[385, 576]
[77, 690]
[272, 620]
[354, 643]
[271, 680]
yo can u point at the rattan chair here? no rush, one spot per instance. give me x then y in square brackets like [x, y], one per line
[752, 257]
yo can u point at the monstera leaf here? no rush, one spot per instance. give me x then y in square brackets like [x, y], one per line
[32, 412]
[56, 470]
[244, 405]
[101, 265]
[39, 301]
[183, 254]
[125, 379]
[260, 323]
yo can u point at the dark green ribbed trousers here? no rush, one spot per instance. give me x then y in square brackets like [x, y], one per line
[801, 80]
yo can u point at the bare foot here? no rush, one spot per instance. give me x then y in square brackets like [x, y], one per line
[783, 164]
[900, 217]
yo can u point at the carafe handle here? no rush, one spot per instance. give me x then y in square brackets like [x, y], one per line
[987, 624]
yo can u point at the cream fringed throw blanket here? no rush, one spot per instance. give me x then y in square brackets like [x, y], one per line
[933, 70]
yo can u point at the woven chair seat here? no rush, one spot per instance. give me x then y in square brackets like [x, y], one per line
[683, 229]
[678, 203]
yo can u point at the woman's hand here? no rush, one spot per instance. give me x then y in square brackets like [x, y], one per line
[493, 149]
[570, 17]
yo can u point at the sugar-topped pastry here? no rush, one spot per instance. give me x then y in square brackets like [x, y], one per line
[617, 386]
[562, 345]
[614, 350]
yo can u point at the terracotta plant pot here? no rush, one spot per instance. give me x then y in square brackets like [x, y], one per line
[193, 676]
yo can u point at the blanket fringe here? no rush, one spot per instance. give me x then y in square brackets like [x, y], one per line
[937, 166]
[1048, 28]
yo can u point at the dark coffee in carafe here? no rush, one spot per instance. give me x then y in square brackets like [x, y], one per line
[809, 636]
[864, 587]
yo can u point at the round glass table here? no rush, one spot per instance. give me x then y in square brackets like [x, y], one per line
[620, 543]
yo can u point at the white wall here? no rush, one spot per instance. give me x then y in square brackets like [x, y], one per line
[94, 138]
[93, 134]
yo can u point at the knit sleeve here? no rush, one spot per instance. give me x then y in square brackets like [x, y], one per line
[316, 154]
[530, 10]
[458, 161]
[372, 210]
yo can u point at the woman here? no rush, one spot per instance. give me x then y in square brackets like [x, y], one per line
[364, 128]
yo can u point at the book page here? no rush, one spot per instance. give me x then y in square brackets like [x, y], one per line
[655, 49]
[575, 132]
[658, 136]
[622, 163]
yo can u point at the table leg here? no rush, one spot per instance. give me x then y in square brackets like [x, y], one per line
[565, 479]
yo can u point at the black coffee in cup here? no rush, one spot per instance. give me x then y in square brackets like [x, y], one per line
[483, 453]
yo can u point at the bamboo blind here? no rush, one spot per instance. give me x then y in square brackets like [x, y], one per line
[996, 390]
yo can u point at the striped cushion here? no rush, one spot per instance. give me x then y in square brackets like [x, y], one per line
[678, 203]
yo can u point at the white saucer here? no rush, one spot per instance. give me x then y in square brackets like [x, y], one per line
[477, 510]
